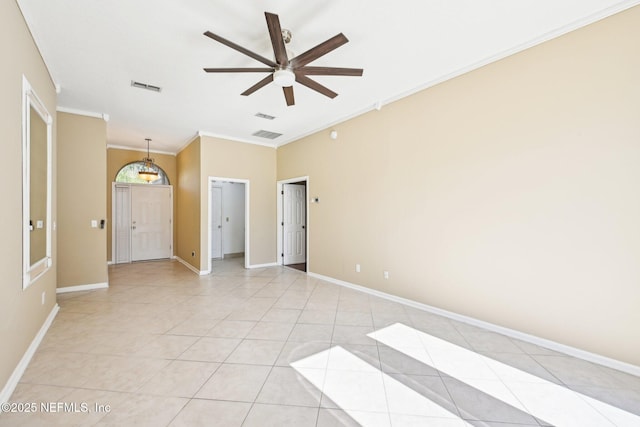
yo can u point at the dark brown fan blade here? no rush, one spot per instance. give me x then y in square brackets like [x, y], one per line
[330, 71]
[312, 84]
[288, 95]
[273, 22]
[318, 51]
[241, 49]
[260, 84]
[238, 70]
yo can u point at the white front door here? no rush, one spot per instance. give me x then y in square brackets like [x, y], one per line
[294, 227]
[216, 222]
[151, 208]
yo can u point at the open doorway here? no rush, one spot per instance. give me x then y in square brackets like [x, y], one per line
[228, 219]
[293, 223]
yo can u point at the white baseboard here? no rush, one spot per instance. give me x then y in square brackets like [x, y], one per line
[79, 288]
[542, 342]
[191, 267]
[271, 264]
[14, 379]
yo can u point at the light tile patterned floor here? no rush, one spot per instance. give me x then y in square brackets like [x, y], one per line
[163, 347]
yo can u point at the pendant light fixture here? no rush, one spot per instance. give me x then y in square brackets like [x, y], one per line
[149, 171]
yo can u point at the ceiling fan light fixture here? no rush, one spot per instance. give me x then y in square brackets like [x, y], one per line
[284, 78]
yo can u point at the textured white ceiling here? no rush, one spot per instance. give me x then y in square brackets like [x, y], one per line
[95, 48]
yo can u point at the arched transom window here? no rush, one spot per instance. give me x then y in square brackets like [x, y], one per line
[129, 174]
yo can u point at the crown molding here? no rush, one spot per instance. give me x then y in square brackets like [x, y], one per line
[141, 150]
[93, 114]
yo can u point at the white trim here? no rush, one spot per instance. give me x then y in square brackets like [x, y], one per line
[247, 216]
[79, 288]
[271, 264]
[93, 114]
[575, 25]
[191, 267]
[280, 218]
[542, 342]
[331, 124]
[490, 59]
[236, 139]
[31, 273]
[14, 379]
[188, 143]
[141, 150]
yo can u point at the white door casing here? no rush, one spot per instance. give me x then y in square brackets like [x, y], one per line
[151, 212]
[294, 223]
[216, 223]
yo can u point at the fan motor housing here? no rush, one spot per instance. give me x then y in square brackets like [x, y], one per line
[284, 78]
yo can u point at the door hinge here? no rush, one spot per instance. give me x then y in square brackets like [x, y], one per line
[282, 255]
[282, 223]
[282, 192]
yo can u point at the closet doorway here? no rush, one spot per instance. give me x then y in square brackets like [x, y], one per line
[293, 223]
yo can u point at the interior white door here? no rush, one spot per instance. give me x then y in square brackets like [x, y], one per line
[150, 222]
[122, 223]
[216, 223]
[294, 227]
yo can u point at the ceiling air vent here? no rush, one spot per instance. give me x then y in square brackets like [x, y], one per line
[265, 116]
[145, 86]
[267, 134]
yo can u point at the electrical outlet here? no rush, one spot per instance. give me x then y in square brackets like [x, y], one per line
[386, 274]
[357, 268]
[193, 253]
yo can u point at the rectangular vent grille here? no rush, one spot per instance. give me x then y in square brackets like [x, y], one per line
[267, 134]
[265, 116]
[145, 86]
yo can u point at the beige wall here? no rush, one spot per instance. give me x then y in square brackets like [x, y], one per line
[212, 157]
[509, 194]
[21, 311]
[257, 164]
[188, 204]
[116, 159]
[82, 197]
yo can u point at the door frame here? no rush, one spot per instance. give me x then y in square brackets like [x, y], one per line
[247, 192]
[280, 218]
[113, 216]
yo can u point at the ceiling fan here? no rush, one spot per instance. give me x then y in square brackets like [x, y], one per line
[284, 71]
